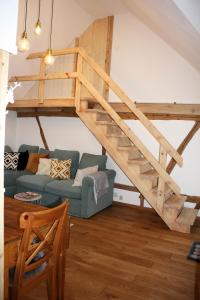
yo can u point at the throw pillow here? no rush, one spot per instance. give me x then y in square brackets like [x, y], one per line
[33, 161]
[44, 167]
[60, 169]
[81, 173]
[11, 160]
[23, 159]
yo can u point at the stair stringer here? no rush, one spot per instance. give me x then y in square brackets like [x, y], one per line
[128, 170]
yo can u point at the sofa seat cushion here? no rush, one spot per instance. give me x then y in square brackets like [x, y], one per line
[64, 188]
[10, 176]
[34, 182]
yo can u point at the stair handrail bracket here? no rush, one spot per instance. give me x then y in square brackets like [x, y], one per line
[131, 105]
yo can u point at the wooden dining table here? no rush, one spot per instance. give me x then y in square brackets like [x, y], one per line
[13, 234]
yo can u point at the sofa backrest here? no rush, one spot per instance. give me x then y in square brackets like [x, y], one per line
[7, 149]
[68, 154]
[45, 151]
[30, 148]
[90, 160]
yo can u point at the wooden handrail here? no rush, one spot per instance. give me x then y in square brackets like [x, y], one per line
[144, 120]
[130, 134]
[54, 53]
[46, 76]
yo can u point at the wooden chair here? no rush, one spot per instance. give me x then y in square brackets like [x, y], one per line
[41, 252]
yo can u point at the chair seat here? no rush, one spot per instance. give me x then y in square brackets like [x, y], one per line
[64, 188]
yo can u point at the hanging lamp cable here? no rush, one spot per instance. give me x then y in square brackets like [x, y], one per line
[50, 36]
[39, 10]
[26, 5]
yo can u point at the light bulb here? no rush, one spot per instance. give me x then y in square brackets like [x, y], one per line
[38, 29]
[49, 58]
[23, 44]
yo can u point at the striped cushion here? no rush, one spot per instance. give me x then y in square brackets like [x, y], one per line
[60, 169]
[11, 160]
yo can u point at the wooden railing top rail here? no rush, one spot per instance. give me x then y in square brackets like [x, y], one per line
[54, 53]
[162, 173]
[144, 120]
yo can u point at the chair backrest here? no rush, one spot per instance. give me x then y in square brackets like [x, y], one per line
[41, 246]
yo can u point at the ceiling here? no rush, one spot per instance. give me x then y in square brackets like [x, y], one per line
[172, 20]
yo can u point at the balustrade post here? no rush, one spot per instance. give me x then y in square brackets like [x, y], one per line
[78, 83]
[161, 183]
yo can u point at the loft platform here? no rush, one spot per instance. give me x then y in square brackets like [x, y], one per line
[59, 107]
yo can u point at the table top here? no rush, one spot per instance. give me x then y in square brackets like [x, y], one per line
[12, 211]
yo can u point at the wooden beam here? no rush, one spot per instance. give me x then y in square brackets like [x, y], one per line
[49, 76]
[60, 102]
[4, 62]
[125, 187]
[70, 114]
[54, 52]
[183, 145]
[160, 108]
[103, 151]
[42, 133]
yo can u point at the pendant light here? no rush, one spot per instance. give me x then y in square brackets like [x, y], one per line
[38, 26]
[23, 44]
[49, 58]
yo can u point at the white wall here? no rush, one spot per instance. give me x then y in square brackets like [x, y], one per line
[149, 71]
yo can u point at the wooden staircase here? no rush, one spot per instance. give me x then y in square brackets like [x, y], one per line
[146, 172]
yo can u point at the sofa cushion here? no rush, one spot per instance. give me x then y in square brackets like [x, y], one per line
[11, 176]
[90, 160]
[65, 155]
[64, 188]
[33, 161]
[23, 159]
[34, 182]
[60, 169]
[30, 148]
[11, 160]
[7, 149]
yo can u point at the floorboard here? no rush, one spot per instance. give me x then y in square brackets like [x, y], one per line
[127, 253]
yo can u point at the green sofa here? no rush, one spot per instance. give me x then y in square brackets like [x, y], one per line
[82, 202]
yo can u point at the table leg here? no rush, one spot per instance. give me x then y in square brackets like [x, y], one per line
[6, 283]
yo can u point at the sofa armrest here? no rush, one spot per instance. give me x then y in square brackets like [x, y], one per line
[89, 206]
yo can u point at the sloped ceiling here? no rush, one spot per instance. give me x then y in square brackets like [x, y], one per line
[164, 17]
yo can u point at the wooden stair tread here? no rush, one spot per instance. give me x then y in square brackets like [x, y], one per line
[96, 111]
[140, 161]
[116, 135]
[175, 202]
[151, 173]
[187, 216]
[106, 123]
[126, 148]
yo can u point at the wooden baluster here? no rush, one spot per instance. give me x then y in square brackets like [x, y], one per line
[161, 183]
[41, 85]
[78, 83]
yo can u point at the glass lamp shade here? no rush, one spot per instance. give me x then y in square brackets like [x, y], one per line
[49, 58]
[23, 44]
[38, 28]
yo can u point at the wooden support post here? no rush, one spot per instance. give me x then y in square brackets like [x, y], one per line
[78, 83]
[103, 151]
[42, 133]
[4, 61]
[161, 183]
[141, 200]
[41, 86]
[183, 145]
[73, 92]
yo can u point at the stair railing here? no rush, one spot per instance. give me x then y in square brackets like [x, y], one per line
[165, 146]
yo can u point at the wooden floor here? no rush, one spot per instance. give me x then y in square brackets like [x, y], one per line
[127, 253]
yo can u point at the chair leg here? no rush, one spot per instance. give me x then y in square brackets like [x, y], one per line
[51, 287]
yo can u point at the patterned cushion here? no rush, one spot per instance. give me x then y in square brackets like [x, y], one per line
[11, 160]
[60, 169]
